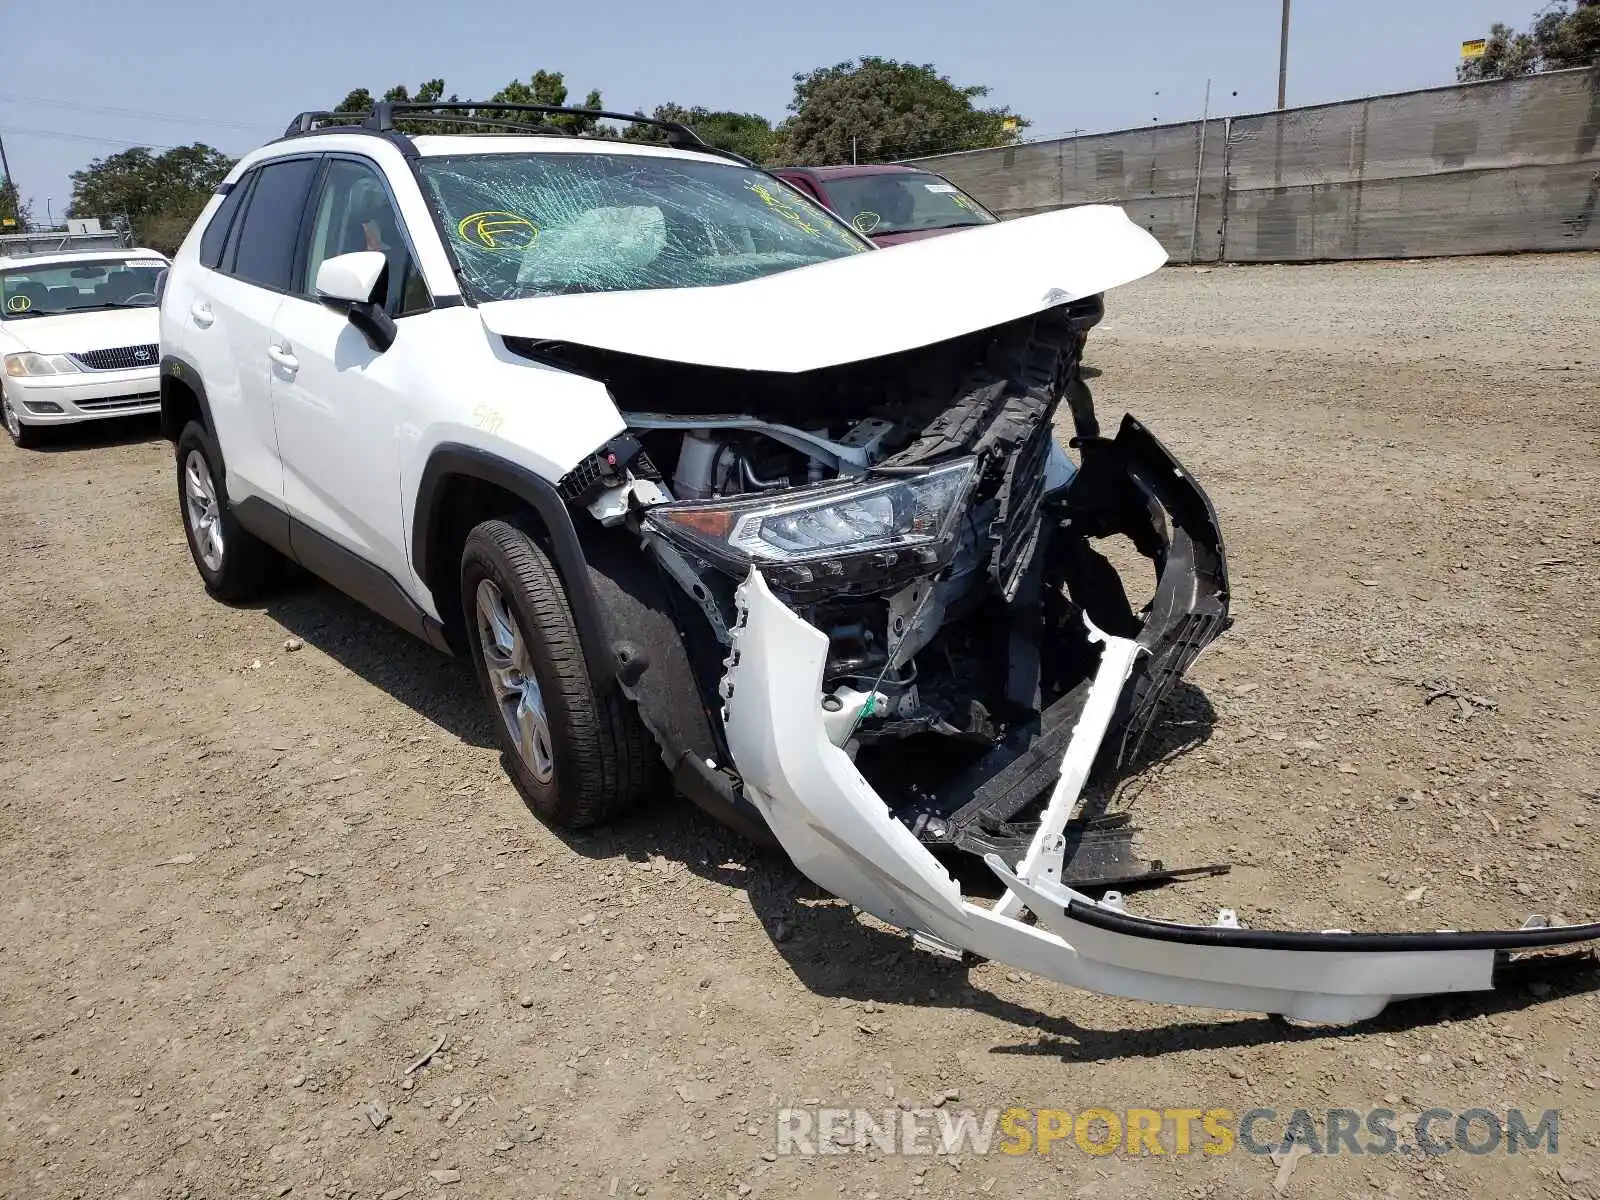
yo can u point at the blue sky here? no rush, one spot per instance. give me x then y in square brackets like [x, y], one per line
[233, 73]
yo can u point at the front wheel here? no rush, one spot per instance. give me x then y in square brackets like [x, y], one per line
[27, 437]
[578, 755]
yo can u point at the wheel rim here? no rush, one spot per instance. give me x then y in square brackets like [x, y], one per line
[516, 691]
[205, 516]
[13, 422]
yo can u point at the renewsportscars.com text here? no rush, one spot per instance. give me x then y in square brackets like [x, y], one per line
[1163, 1131]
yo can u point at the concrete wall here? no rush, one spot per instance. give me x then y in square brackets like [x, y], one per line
[1480, 168]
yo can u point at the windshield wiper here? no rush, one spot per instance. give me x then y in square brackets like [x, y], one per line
[114, 304]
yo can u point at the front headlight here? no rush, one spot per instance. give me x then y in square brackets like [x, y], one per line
[20, 366]
[818, 533]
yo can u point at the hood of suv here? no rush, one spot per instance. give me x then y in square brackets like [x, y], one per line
[76, 332]
[855, 308]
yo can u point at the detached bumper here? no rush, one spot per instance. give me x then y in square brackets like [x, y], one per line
[86, 396]
[842, 835]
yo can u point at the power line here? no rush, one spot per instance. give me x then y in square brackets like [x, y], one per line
[113, 110]
[62, 135]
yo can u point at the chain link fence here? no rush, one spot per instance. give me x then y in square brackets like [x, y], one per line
[1499, 166]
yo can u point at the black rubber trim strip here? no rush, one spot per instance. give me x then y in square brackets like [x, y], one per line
[1333, 943]
[343, 568]
[175, 367]
[452, 458]
[267, 521]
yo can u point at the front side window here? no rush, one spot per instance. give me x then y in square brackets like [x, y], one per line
[903, 202]
[97, 285]
[271, 223]
[354, 213]
[546, 224]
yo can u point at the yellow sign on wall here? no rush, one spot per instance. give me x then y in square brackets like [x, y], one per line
[1475, 48]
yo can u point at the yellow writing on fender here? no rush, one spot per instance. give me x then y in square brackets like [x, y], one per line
[1102, 1131]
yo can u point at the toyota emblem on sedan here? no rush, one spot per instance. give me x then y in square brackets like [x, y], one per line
[142, 355]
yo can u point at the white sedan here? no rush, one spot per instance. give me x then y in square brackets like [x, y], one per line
[79, 333]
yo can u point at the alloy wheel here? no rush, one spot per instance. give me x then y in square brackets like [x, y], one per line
[521, 704]
[205, 515]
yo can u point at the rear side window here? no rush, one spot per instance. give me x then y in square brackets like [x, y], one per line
[230, 248]
[271, 223]
[216, 234]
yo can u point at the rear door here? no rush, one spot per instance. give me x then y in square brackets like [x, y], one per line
[339, 402]
[247, 256]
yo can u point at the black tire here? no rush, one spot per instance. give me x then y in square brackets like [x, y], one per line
[246, 567]
[26, 437]
[599, 759]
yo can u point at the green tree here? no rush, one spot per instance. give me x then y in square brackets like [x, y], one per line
[160, 194]
[1564, 34]
[550, 87]
[878, 108]
[1569, 38]
[13, 208]
[359, 103]
[542, 87]
[744, 133]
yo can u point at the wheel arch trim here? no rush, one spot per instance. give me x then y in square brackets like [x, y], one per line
[452, 459]
[178, 369]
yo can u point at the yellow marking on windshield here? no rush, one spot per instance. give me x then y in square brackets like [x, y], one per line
[18, 304]
[495, 230]
[866, 221]
[782, 207]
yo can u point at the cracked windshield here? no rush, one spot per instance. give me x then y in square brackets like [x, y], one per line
[549, 224]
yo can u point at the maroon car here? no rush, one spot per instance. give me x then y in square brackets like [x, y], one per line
[891, 204]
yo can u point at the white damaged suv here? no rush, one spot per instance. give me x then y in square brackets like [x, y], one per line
[78, 334]
[710, 488]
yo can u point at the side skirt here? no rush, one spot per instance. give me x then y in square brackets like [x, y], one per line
[342, 568]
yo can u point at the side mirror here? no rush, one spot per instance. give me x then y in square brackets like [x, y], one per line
[355, 283]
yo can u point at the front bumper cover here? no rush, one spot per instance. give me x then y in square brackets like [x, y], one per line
[85, 396]
[842, 835]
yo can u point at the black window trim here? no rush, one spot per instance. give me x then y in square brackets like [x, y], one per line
[226, 191]
[303, 248]
[230, 243]
[230, 250]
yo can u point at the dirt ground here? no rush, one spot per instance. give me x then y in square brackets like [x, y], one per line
[243, 888]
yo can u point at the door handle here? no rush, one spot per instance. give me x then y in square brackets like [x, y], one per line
[201, 314]
[281, 356]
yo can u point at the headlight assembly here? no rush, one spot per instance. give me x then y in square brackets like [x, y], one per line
[828, 534]
[21, 366]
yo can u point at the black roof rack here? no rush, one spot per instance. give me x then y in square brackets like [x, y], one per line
[382, 120]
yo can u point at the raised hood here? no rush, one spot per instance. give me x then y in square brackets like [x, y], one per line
[76, 332]
[859, 307]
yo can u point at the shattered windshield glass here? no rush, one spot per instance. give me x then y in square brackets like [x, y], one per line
[553, 223]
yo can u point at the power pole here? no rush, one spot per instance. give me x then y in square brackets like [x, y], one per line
[11, 185]
[1283, 56]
